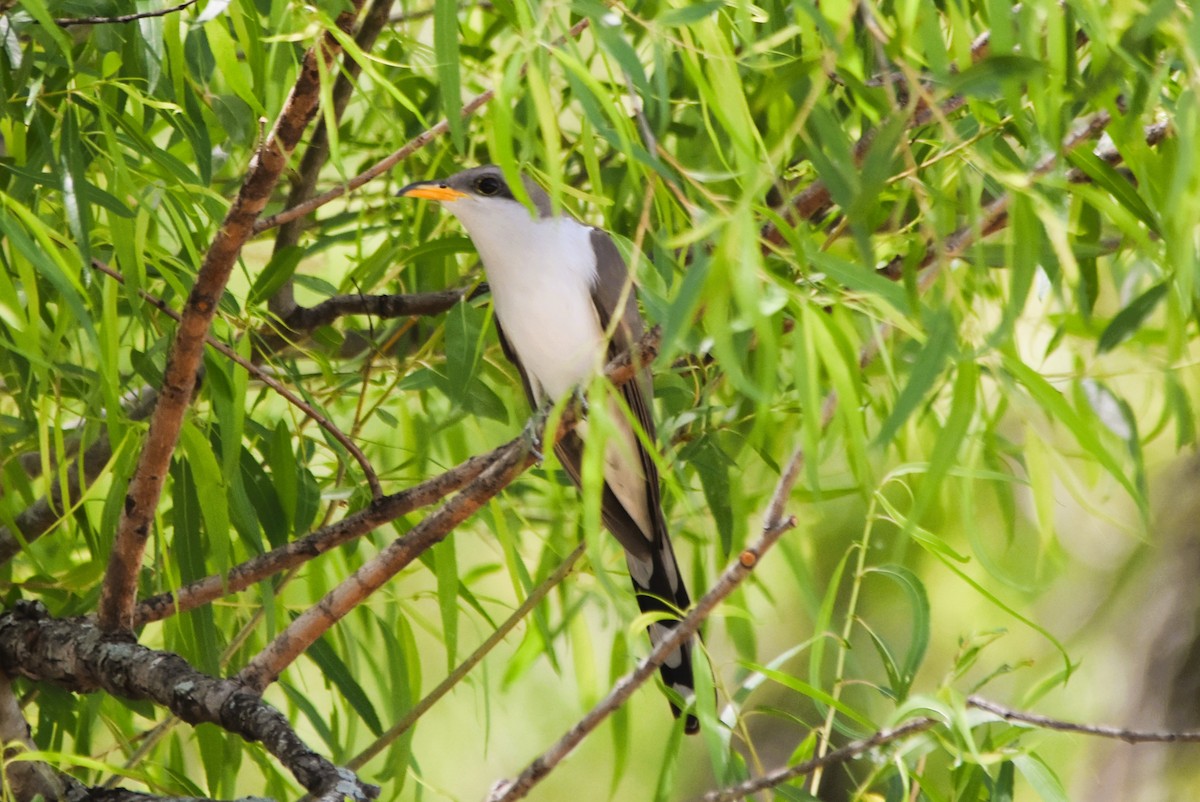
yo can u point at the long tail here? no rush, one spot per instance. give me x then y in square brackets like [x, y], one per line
[660, 588]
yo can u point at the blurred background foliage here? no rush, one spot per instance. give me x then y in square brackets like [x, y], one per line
[1003, 501]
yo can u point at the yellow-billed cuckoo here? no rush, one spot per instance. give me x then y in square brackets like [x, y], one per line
[558, 286]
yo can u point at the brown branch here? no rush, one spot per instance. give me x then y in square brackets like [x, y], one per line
[846, 753]
[410, 147]
[267, 379]
[1109, 154]
[379, 512]
[510, 461]
[69, 21]
[317, 153]
[179, 379]
[76, 655]
[773, 528]
[303, 319]
[38, 518]
[1098, 730]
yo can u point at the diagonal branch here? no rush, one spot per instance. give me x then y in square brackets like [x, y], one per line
[78, 656]
[774, 526]
[409, 148]
[846, 753]
[179, 378]
[268, 664]
[379, 512]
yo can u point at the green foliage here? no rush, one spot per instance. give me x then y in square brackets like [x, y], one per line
[997, 421]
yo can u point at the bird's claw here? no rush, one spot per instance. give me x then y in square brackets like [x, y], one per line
[533, 438]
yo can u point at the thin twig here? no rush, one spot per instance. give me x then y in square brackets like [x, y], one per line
[409, 148]
[267, 379]
[848, 752]
[316, 154]
[69, 21]
[1098, 730]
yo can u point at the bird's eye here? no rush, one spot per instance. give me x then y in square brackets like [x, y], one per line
[488, 185]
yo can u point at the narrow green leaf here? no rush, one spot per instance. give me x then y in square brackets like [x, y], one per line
[713, 466]
[278, 270]
[446, 565]
[74, 183]
[919, 620]
[211, 490]
[445, 49]
[816, 694]
[310, 712]
[940, 344]
[1041, 777]
[1128, 320]
[338, 673]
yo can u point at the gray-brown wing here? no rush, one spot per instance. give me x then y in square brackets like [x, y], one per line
[531, 395]
[657, 580]
[614, 296]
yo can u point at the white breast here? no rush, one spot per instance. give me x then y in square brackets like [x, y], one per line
[541, 273]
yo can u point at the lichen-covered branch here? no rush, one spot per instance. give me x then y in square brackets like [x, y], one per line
[77, 655]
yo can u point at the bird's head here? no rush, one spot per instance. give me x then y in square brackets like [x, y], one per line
[481, 198]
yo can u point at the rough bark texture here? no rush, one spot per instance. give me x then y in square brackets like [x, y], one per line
[76, 655]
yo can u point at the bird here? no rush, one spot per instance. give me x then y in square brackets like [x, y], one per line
[558, 285]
